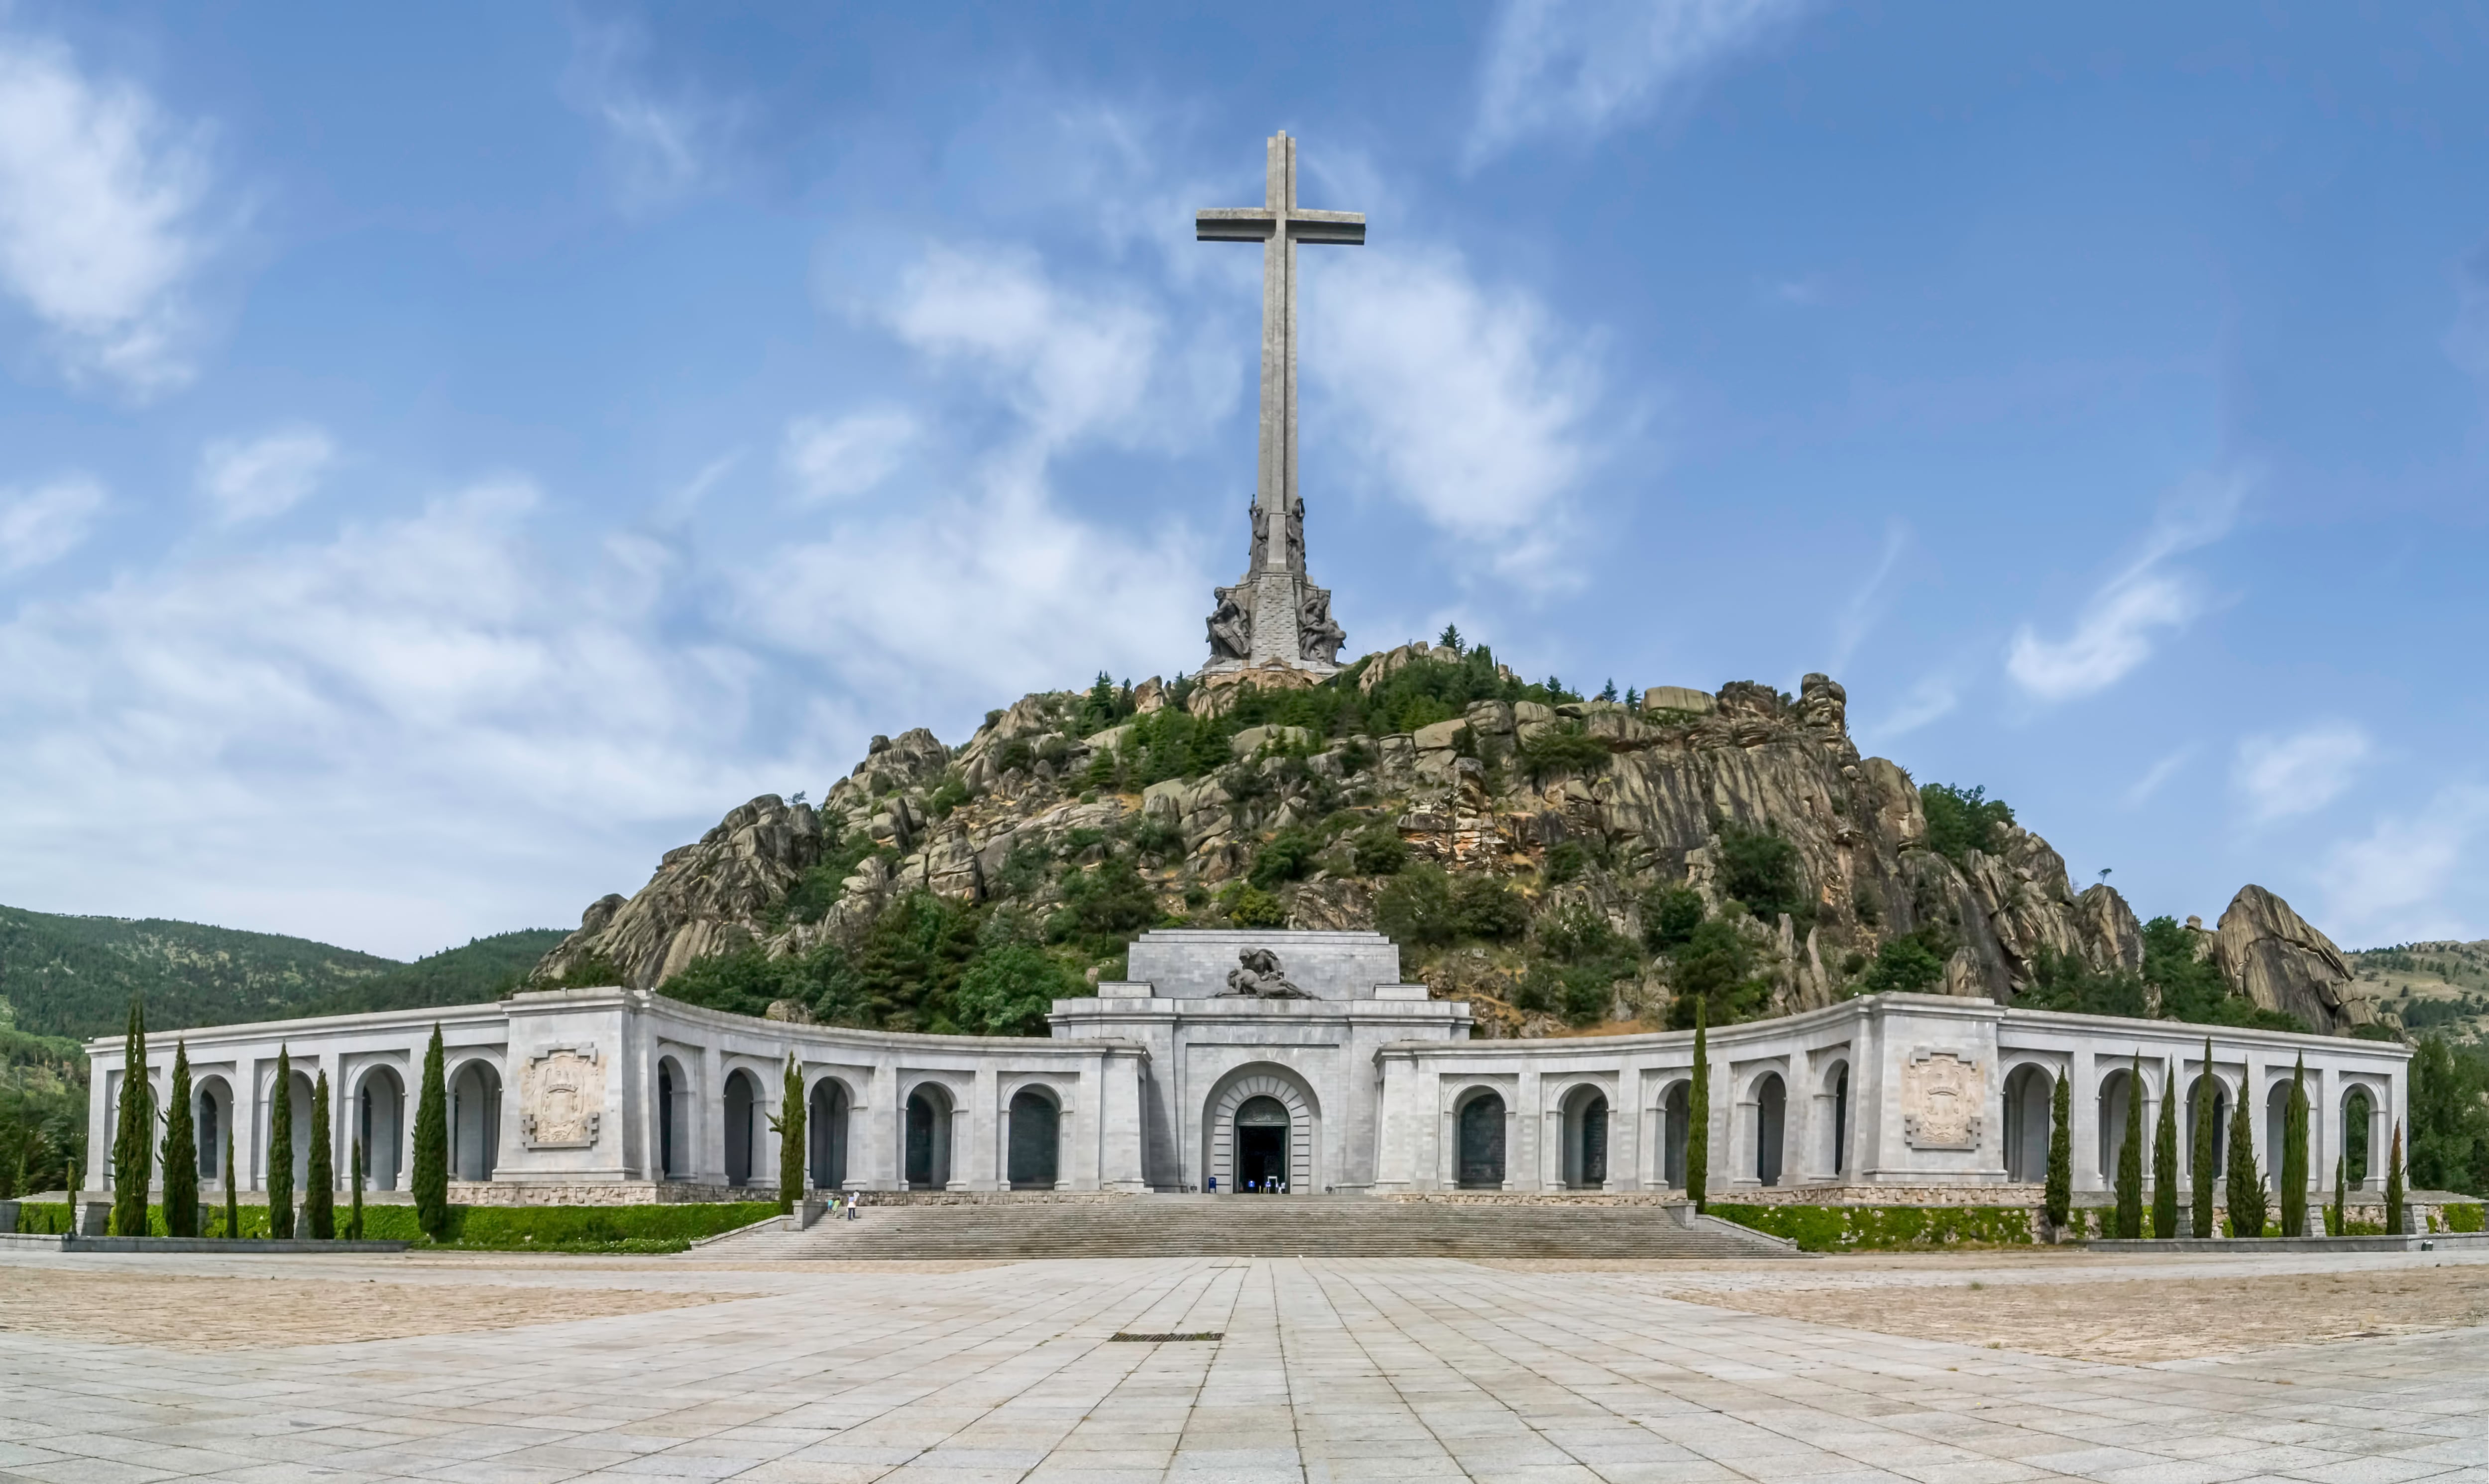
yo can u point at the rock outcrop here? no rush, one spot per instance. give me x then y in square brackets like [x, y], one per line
[1639, 800]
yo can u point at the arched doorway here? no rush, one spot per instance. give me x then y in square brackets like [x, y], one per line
[1771, 1119]
[1676, 1116]
[1262, 1144]
[2116, 1095]
[929, 1138]
[2028, 1090]
[1034, 1141]
[474, 1120]
[213, 1118]
[1478, 1161]
[825, 1129]
[2359, 1124]
[673, 1136]
[380, 1108]
[1837, 1089]
[2218, 1117]
[1585, 1139]
[742, 1109]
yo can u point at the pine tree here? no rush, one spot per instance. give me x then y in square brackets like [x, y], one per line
[233, 1202]
[280, 1151]
[180, 1151]
[2294, 1155]
[2206, 1152]
[2129, 1157]
[133, 1143]
[2246, 1181]
[2338, 1224]
[2394, 1182]
[320, 1173]
[355, 1213]
[431, 1177]
[1698, 1135]
[2059, 1197]
[2165, 1161]
[789, 1124]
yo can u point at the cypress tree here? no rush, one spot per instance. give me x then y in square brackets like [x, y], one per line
[2129, 1157]
[180, 1151]
[790, 1136]
[2394, 1182]
[233, 1203]
[2294, 1155]
[1698, 1136]
[2339, 1225]
[280, 1151]
[431, 1179]
[2060, 1194]
[2206, 1152]
[2165, 1161]
[320, 1173]
[354, 1215]
[134, 1143]
[2245, 1183]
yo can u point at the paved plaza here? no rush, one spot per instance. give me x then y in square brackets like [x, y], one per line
[1329, 1369]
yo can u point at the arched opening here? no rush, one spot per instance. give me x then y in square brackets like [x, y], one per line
[213, 1118]
[1676, 1117]
[380, 1108]
[1035, 1160]
[742, 1111]
[1480, 1132]
[300, 1114]
[1840, 1119]
[673, 1125]
[2217, 1115]
[2116, 1092]
[1585, 1139]
[2276, 1122]
[825, 1129]
[2028, 1090]
[929, 1138]
[1771, 1119]
[2358, 1120]
[1262, 1144]
[475, 1121]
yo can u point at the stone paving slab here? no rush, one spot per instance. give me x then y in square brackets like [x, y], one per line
[1346, 1369]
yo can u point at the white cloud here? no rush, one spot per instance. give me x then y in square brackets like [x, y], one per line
[2392, 884]
[1582, 68]
[47, 523]
[384, 738]
[2159, 773]
[2124, 619]
[1859, 616]
[1931, 700]
[1466, 403]
[252, 479]
[661, 145]
[831, 460]
[99, 232]
[2279, 777]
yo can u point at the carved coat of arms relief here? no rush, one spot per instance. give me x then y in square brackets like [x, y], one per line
[1942, 1098]
[561, 1096]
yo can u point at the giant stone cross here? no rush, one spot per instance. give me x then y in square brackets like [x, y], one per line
[1277, 616]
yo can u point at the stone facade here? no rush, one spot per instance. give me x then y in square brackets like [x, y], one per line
[1359, 1084]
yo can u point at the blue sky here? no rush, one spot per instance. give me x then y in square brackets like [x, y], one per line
[448, 457]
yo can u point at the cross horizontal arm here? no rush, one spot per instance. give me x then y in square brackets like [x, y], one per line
[1328, 227]
[1234, 224]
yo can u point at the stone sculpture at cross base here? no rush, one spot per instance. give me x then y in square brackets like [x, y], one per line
[1275, 619]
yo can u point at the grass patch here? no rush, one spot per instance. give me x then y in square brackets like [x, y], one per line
[1883, 1228]
[669, 1228]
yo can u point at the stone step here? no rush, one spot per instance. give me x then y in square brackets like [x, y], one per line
[1250, 1226]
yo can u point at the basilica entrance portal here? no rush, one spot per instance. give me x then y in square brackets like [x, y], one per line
[1261, 1144]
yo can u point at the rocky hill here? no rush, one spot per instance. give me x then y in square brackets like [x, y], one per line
[1571, 864]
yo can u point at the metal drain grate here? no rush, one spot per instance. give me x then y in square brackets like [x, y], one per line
[1166, 1339]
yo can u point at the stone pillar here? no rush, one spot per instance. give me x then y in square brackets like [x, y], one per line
[1121, 1136]
[1398, 1123]
[1524, 1166]
[884, 1131]
[2082, 1121]
[985, 1148]
[708, 1122]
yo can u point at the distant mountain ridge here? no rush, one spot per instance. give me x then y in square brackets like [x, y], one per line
[75, 976]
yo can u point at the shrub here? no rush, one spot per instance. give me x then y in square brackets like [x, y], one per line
[1250, 906]
[1905, 965]
[1379, 851]
[2165, 1161]
[1759, 869]
[1716, 968]
[1670, 914]
[1565, 862]
[1885, 1228]
[180, 1151]
[1484, 907]
[2245, 1194]
[430, 1182]
[2059, 1193]
[953, 790]
[1009, 989]
[1286, 856]
[133, 1145]
[1963, 820]
[1557, 751]
[320, 1173]
[280, 1146]
[1579, 933]
[1416, 911]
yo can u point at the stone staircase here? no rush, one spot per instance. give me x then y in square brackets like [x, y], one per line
[1252, 1226]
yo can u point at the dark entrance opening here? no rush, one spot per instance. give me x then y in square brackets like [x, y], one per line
[928, 1139]
[1033, 1141]
[825, 1129]
[1771, 1102]
[666, 1164]
[1678, 1133]
[741, 1097]
[1261, 1144]
[1481, 1143]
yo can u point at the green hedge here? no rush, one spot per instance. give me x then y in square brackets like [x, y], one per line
[2463, 1218]
[1879, 1228]
[490, 1228]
